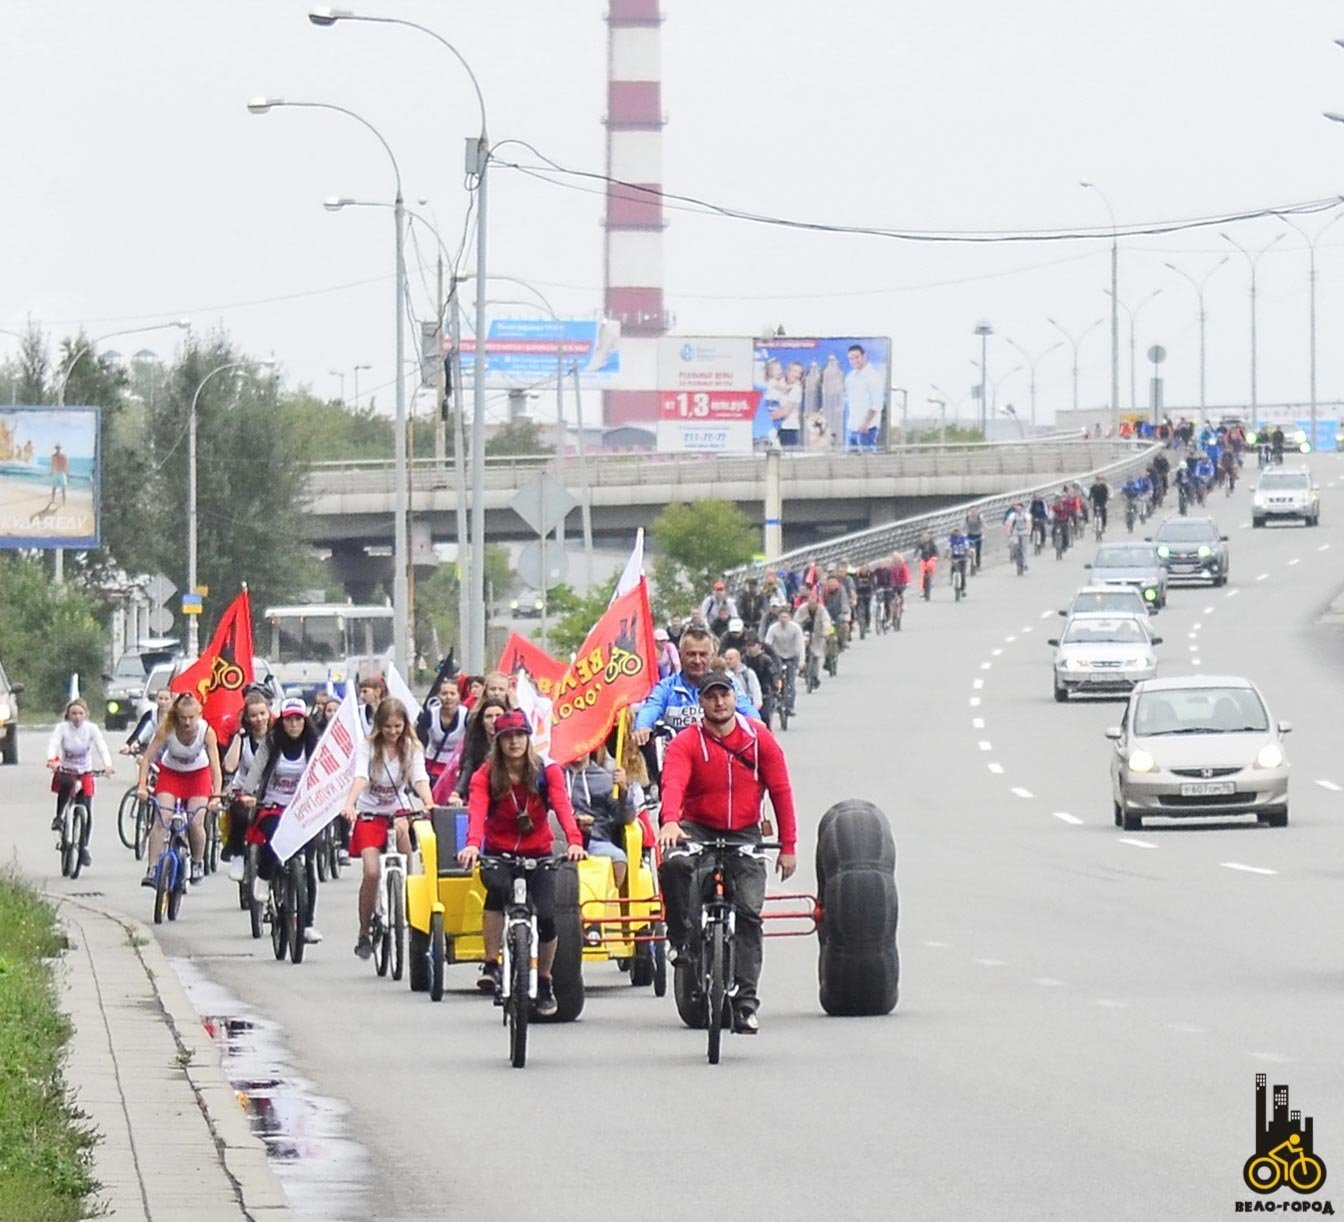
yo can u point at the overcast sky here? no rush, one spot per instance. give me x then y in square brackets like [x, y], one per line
[139, 188]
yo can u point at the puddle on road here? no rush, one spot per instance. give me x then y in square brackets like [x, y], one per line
[325, 1173]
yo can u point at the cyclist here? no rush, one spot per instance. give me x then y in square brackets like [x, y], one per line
[70, 758]
[744, 677]
[512, 797]
[815, 621]
[1040, 516]
[451, 787]
[387, 762]
[1099, 494]
[958, 552]
[1228, 467]
[372, 692]
[714, 777]
[839, 605]
[1018, 527]
[138, 739]
[1061, 515]
[863, 598]
[441, 727]
[1204, 473]
[237, 763]
[770, 674]
[270, 784]
[603, 804]
[187, 752]
[676, 699]
[975, 532]
[789, 643]
[900, 575]
[926, 551]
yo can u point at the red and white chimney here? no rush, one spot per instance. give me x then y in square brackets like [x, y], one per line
[634, 224]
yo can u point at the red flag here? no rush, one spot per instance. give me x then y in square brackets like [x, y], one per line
[617, 667]
[218, 676]
[546, 672]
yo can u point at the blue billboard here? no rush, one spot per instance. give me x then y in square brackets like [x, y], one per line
[49, 473]
[519, 351]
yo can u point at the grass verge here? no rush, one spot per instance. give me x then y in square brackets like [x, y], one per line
[45, 1148]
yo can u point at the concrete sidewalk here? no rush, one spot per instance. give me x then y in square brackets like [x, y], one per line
[175, 1142]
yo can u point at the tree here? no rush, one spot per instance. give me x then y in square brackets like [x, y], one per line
[47, 632]
[436, 602]
[574, 615]
[329, 431]
[697, 544]
[518, 438]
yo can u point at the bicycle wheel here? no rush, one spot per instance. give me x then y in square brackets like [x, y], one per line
[144, 815]
[321, 856]
[783, 716]
[63, 847]
[659, 949]
[296, 904]
[438, 952]
[897, 610]
[334, 855]
[520, 957]
[714, 993]
[79, 820]
[211, 841]
[396, 923]
[179, 887]
[127, 821]
[161, 888]
[278, 909]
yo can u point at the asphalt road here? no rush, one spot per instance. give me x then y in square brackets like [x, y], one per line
[1082, 1010]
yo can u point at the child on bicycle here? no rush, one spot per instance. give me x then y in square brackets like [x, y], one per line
[512, 796]
[70, 758]
[958, 554]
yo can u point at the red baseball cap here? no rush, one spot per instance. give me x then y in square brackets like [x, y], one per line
[718, 585]
[512, 722]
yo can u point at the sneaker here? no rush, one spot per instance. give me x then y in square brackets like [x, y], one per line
[312, 935]
[237, 870]
[149, 881]
[84, 858]
[491, 979]
[261, 890]
[745, 1022]
[546, 1006]
[197, 872]
[56, 823]
[364, 947]
[343, 857]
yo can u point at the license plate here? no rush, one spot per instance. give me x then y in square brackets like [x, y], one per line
[1203, 789]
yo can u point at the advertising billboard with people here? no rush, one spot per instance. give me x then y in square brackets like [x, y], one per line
[49, 475]
[822, 394]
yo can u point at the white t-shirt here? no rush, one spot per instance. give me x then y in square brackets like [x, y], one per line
[865, 392]
[441, 745]
[177, 756]
[284, 779]
[791, 398]
[72, 747]
[386, 785]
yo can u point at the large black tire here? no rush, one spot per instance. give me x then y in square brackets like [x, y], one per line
[660, 962]
[859, 966]
[79, 818]
[438, 955]
[417, 962]
[567, 971]
[296, 903]
[718, 990]
[690, 1000]
[641, 966]
[176, 894]
[279, 918]
[520, 952]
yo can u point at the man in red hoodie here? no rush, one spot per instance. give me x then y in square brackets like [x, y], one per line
[714, 776]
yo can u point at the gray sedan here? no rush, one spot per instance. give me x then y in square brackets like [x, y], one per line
[1192, 548]
[1198, 746]
[1132, 564]
[1103, 653]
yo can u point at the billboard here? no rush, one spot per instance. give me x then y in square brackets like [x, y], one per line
[821, 394]
[706, 421]
[49, 477]
[522, 351]
[693, 362]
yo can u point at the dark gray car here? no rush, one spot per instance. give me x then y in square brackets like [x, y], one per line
[1131, 564]
[1193, 550]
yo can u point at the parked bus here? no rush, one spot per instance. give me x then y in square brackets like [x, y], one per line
[320, 645]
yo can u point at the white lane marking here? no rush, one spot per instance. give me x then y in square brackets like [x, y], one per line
[991, 962]
[938, 945]
[1193, 648]
[1193, 635]
[1045, 615]
[1023, 793]
[975, 702]
[1195, 661]
[1138, 844]
[986, 665]
[1185, 1028]
[1112, 1004]
[1026, 628]
[1276, 1057]
[1263, 577]
[1066, 817]
[1330, 785]
[1238, 865]
[1231, 593]
[1208, 610]
[1294, 560]
[1243, 525]
[996, 769]
[1008, 640]
[1325, 547]
[985, 745]
[977, 684]
[1048, 982]
[994, 653]
[977, 723]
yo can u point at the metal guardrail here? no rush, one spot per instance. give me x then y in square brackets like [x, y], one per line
[878, 542]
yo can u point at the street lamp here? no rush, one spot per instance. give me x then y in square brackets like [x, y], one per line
[1075, 341]
[193, 621]
[90, 345]
[478, 160]
[942, 418]
[1133, 317]
[1115, 308]
[355, 369]
[1198, 286]
[994, 390]
[1011, 412]
[401, 492]
[984, 331]
[1253, 258]
[905, 412]
[339, 373]
[1031, 365]
[1311, 281]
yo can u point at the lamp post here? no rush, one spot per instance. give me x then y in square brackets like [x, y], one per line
[478, 159]
[994, 390]
[401, 493]
[339, 373]
[1198, 286]
[905, 413]
[1311, 283]
[1011, 412]
[984, 331]
[1133, 315]
[193, 621]
[355, 370]
[942, 418]
[1032, 362]
[1253, 258]
[1075, 341]
[1115, 308]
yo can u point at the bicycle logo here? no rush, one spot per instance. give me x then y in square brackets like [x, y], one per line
[1283, 1147]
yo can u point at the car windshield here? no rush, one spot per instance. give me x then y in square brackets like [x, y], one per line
[1277, 481]
[1125, 556]
[1108, 600]
[130, 666]
[1187, 532]
[1118, 631]
[1200, 710]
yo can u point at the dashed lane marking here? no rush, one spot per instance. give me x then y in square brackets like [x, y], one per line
[1045, 615]
[936, 945]
[1330, 785]
[1325, 547]
[1193, 635]
[994, 653]
[977, 723]
[1231, 593]
[1138, 844]
[985, 745]
[977, 684]
[1048, 982]
[1023, 793]
[991, 962]
[1065, 817]
[1294, 560]
[1245, 869]
[1026, 628]
[1008, 640]
[996, 769]
[1263, 577]
[1208, 610]
[1276, 1058]
[1194, 648]
[1243, 525]
[986, 665]
[1195, 661]
[975, 702]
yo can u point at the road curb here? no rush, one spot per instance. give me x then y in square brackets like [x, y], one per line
[242, 1157]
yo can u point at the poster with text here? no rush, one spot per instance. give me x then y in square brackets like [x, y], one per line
[49, 472]
[822, 394]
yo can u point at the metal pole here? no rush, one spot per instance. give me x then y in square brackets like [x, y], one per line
[585, 496]
[1203, 316]
[464, 634]
[774, 503]
[401, 548]
[193, 621]
[1115, 334]
[560, 429]
[1312, 436]
[984, 378]
[1254, 397]
[440, 398]
[476, 653]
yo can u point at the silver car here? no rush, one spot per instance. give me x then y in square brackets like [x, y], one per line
[1118, 600]
[1202, 746]
[1286, 494]
[1103, 653]
[1131, 564]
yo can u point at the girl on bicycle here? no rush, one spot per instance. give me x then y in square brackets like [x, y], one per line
[372, 693]
[187, 753]
[441, 728]
[387, 763]
[512, 795]
[70, 758]
[138, 739]
[271, 782]
[237, 762]
[451, 787]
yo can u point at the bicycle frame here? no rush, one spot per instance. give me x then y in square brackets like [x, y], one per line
[518, 911]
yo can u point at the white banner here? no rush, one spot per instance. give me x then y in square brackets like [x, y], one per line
[634, 568]
[537, 709]
[325, 783]
[398, 688]
[693, 362]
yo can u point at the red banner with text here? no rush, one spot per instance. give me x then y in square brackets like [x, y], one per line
[546, 672]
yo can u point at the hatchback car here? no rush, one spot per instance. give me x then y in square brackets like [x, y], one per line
[1198, 746]
[1287, 494]
[1118, 600]
[528, 605]
[1192, 549]
[1132, 564]
[1103, 653]
[126, 683]
[9, 719]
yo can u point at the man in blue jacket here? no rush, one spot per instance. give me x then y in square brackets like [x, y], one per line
[676, 699]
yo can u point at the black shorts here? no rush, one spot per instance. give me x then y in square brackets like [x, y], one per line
[498, 882]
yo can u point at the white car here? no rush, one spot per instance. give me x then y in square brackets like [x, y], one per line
[1105, 652]
[1286, 493]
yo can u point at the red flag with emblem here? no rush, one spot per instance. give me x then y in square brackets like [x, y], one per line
[617, 667]
[546, 672]
[217, 678]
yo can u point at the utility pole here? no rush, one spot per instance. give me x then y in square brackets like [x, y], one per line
[585, 495]
[464, 625]
[440, 373]
[478, 162]
[984, 331]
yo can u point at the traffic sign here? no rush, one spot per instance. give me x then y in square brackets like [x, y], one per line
[543, 503]
[159, 589]
[192, 604]
[1157, 354]
[160, 619]
[532, 571]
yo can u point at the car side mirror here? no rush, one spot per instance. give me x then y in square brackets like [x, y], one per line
[1064, 613]
[1114, 733]
[1054, 640]
[16, 688]
[107, 678]
[1147, 538]
[1157, 640]
[1088, 565]
[1222, 538]
[1285, 727]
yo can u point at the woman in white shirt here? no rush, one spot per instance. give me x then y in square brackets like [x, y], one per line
[70, 752]
[388, 763]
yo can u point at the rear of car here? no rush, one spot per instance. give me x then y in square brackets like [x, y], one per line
[9, 719]
[1286, 496]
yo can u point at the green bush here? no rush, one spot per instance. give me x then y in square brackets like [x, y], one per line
[46, 633]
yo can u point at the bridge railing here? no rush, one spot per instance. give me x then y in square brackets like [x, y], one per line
[867, 546]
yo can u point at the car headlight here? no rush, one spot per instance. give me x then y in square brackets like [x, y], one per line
[1304, 448]
[1074, 664]
[1141, 761]
[1163, 550]
[1149, 594]
[114, 706]
[1270, 756]
[513, 606]
[1205, 551]
[1141, 663]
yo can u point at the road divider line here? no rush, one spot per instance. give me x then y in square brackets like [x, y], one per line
[1045, 615]
[977, 684]
[975, 702]
[1330, 785]
[1231, 593]
[1023, 793]
[1276, 1057]
[936, 945]
[985, 745]
[994, 653]
[996, 769]
[977, 723]
[1065, 817]
[991, 962]
[1325, 547]
[1263, 577]
[1112, 1004]
[1192, 635]
[1195, 661]
[1026, 628]
[1008, 640]
[1294, 560]
[986, 665]
[1138, 844]
[1208, 610]
[1048, 982]
[1245, 869]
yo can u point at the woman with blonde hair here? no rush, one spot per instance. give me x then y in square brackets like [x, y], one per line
[70, 757]
[387, 763]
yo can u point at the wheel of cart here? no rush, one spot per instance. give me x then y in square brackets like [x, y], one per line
[626, 923]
